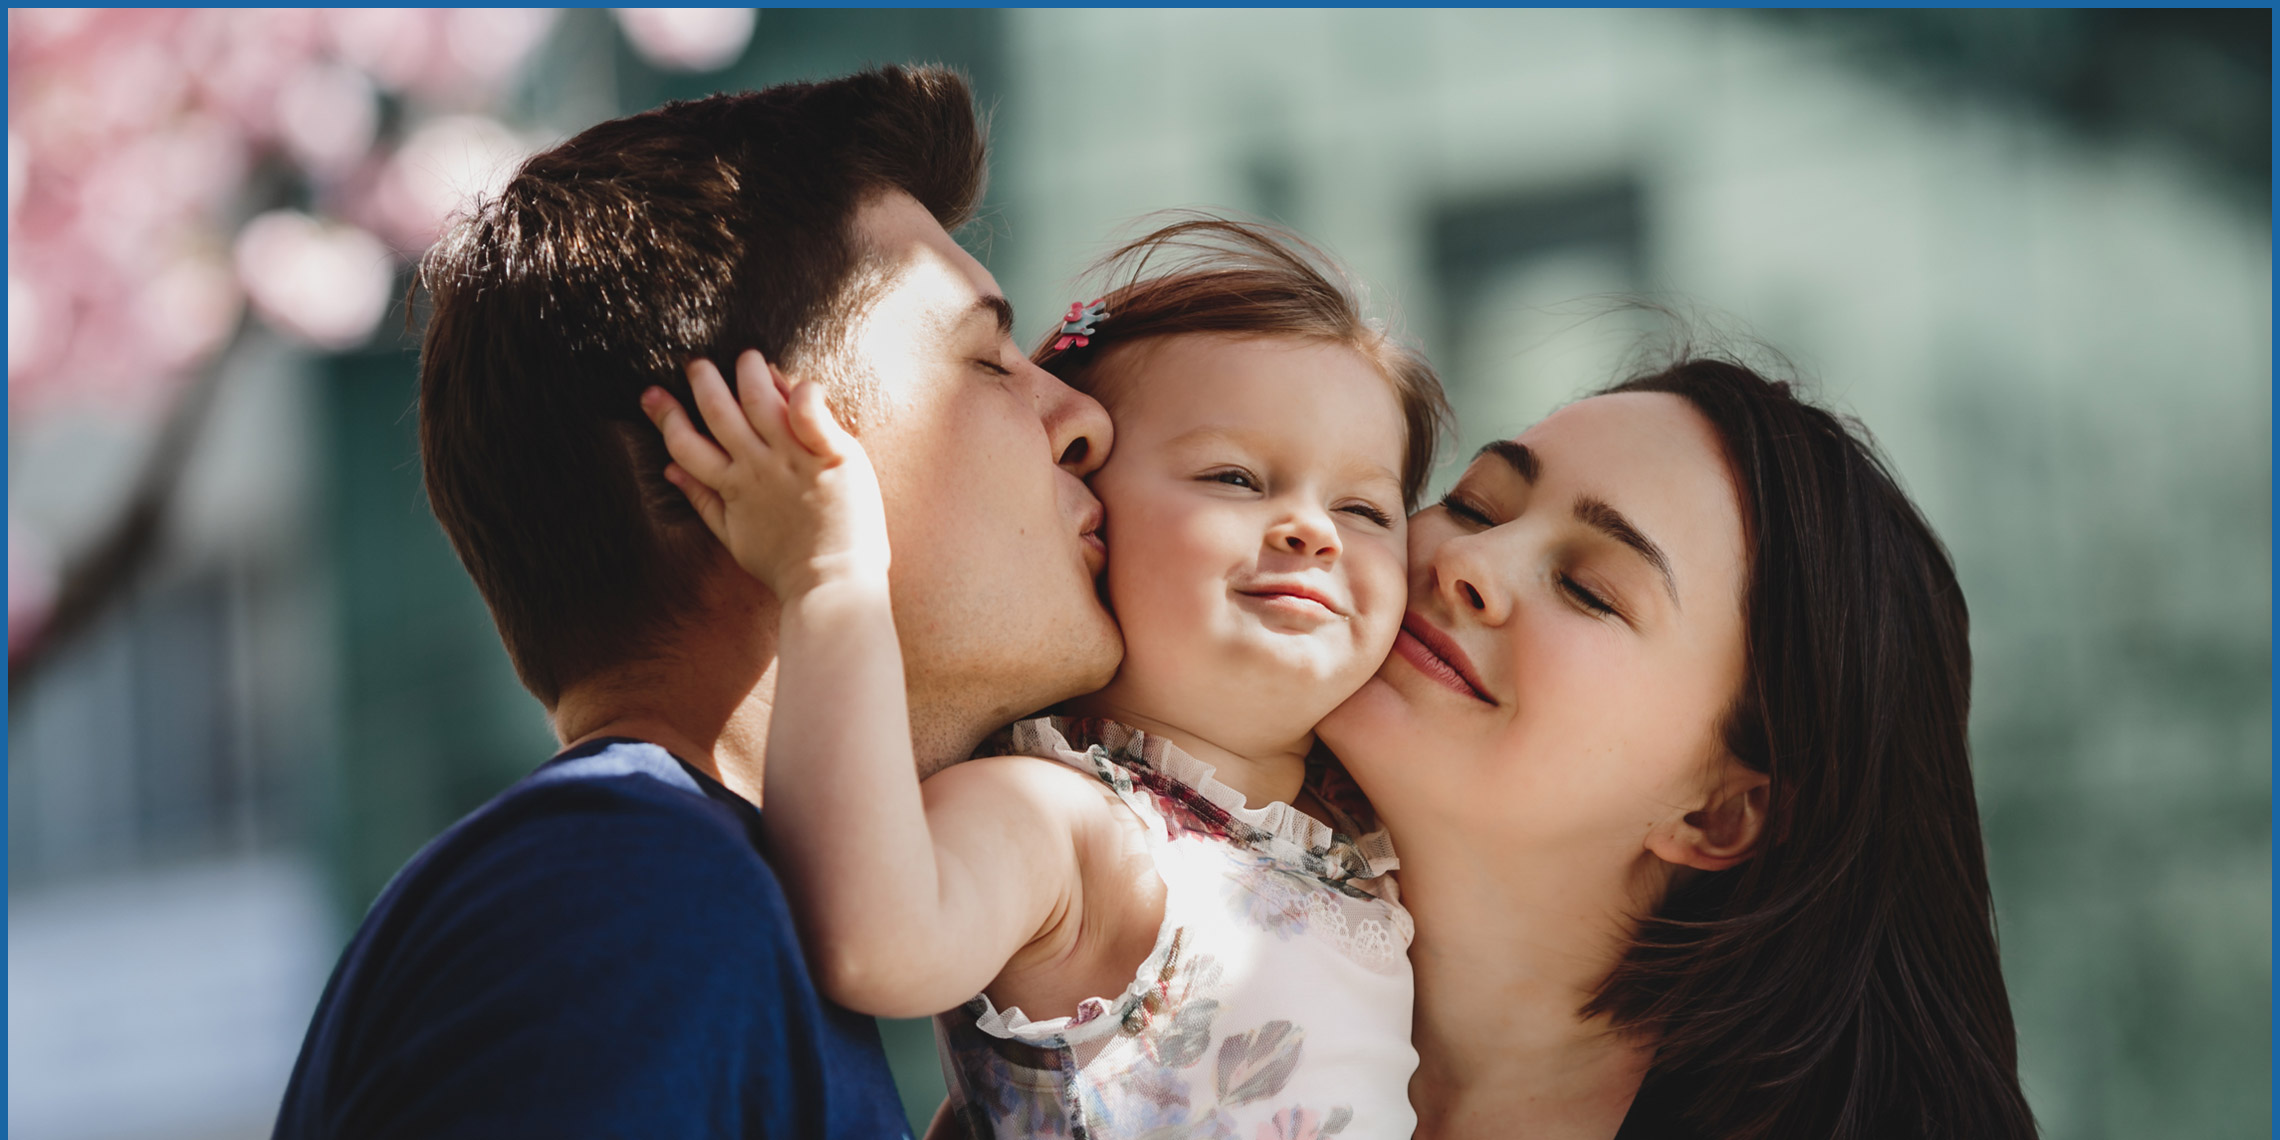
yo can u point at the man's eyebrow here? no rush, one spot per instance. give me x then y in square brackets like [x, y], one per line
[1522, 460]
[997, 307]
[1597, 515]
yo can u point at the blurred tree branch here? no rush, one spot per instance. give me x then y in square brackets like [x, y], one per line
[101, 575]
[177, 176]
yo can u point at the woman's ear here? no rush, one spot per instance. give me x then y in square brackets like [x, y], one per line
[1724, 830]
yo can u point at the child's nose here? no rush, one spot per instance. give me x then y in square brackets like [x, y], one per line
[1306, 537]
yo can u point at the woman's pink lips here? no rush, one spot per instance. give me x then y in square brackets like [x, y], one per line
[1437, 656]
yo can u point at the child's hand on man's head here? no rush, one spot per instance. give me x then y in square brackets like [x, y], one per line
[785, 488]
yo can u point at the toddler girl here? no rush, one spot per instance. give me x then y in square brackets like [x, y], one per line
[1169, 904]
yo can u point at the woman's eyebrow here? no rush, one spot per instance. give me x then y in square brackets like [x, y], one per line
[1592, 512]
[1515, 453]
[1596, 514]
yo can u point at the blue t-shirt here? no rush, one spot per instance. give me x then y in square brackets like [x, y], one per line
[600, 951]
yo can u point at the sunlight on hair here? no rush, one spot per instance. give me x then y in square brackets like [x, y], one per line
[446, 166]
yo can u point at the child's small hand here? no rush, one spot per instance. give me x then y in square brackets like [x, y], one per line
[786, 489]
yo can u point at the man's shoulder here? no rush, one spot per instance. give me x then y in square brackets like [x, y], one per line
[613, 896]
[607, 779]
[616, 791]
[620, 823]
[612, 871]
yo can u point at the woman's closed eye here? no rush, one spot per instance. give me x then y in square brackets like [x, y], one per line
[1464, 510]
[1583, 596]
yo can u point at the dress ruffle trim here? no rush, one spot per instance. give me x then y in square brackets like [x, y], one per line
[1096, 1017]
[1279, 830]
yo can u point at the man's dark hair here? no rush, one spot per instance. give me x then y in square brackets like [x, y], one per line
[697, 229]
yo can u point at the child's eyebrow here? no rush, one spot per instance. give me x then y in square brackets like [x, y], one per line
[1210, 433]
[1366, 469]
[1218, 433]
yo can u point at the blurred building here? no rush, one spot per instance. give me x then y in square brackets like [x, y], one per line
[2030, 250]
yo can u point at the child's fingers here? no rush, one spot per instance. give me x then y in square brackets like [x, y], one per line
[700, 458]
[814, 426]
[722, 415]
[763, 403]
[710, 507]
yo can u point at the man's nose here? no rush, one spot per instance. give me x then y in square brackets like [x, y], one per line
[1075, 423]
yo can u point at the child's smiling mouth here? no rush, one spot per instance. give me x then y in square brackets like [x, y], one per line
[1290, 600]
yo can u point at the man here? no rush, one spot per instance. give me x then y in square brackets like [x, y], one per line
[602, 950]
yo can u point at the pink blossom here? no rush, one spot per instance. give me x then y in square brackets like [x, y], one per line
[132, 135]
[327, 285]
[688, 39]
[488, 45]
[327, 115]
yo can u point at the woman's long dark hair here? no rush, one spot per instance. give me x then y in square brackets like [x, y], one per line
[1843, 983]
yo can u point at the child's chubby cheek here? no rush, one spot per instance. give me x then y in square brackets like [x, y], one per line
[1377, 572]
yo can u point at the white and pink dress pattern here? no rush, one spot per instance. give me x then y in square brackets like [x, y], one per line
[1276, 1002]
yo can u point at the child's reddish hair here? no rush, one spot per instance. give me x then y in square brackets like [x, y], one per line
[1216, 275]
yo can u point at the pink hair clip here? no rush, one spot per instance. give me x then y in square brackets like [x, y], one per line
[1077, 327]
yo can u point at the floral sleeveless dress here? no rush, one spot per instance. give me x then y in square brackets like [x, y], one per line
[1276, 1002]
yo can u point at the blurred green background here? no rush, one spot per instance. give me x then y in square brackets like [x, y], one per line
[2032, 250]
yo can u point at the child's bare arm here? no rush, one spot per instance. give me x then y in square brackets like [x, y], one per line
[909, 902]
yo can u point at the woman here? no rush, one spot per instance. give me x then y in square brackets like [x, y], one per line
[1673, 746]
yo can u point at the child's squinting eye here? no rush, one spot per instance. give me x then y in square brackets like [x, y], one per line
[1233, 477]
[1368, 512]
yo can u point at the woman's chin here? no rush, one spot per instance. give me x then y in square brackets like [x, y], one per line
[1366, 726]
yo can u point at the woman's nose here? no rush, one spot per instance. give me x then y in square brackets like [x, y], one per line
[1464, 579]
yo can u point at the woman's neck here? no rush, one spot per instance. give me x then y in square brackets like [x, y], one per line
[1266, 768]
[1510, 947]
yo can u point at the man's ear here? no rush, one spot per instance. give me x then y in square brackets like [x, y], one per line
[1724, 829]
